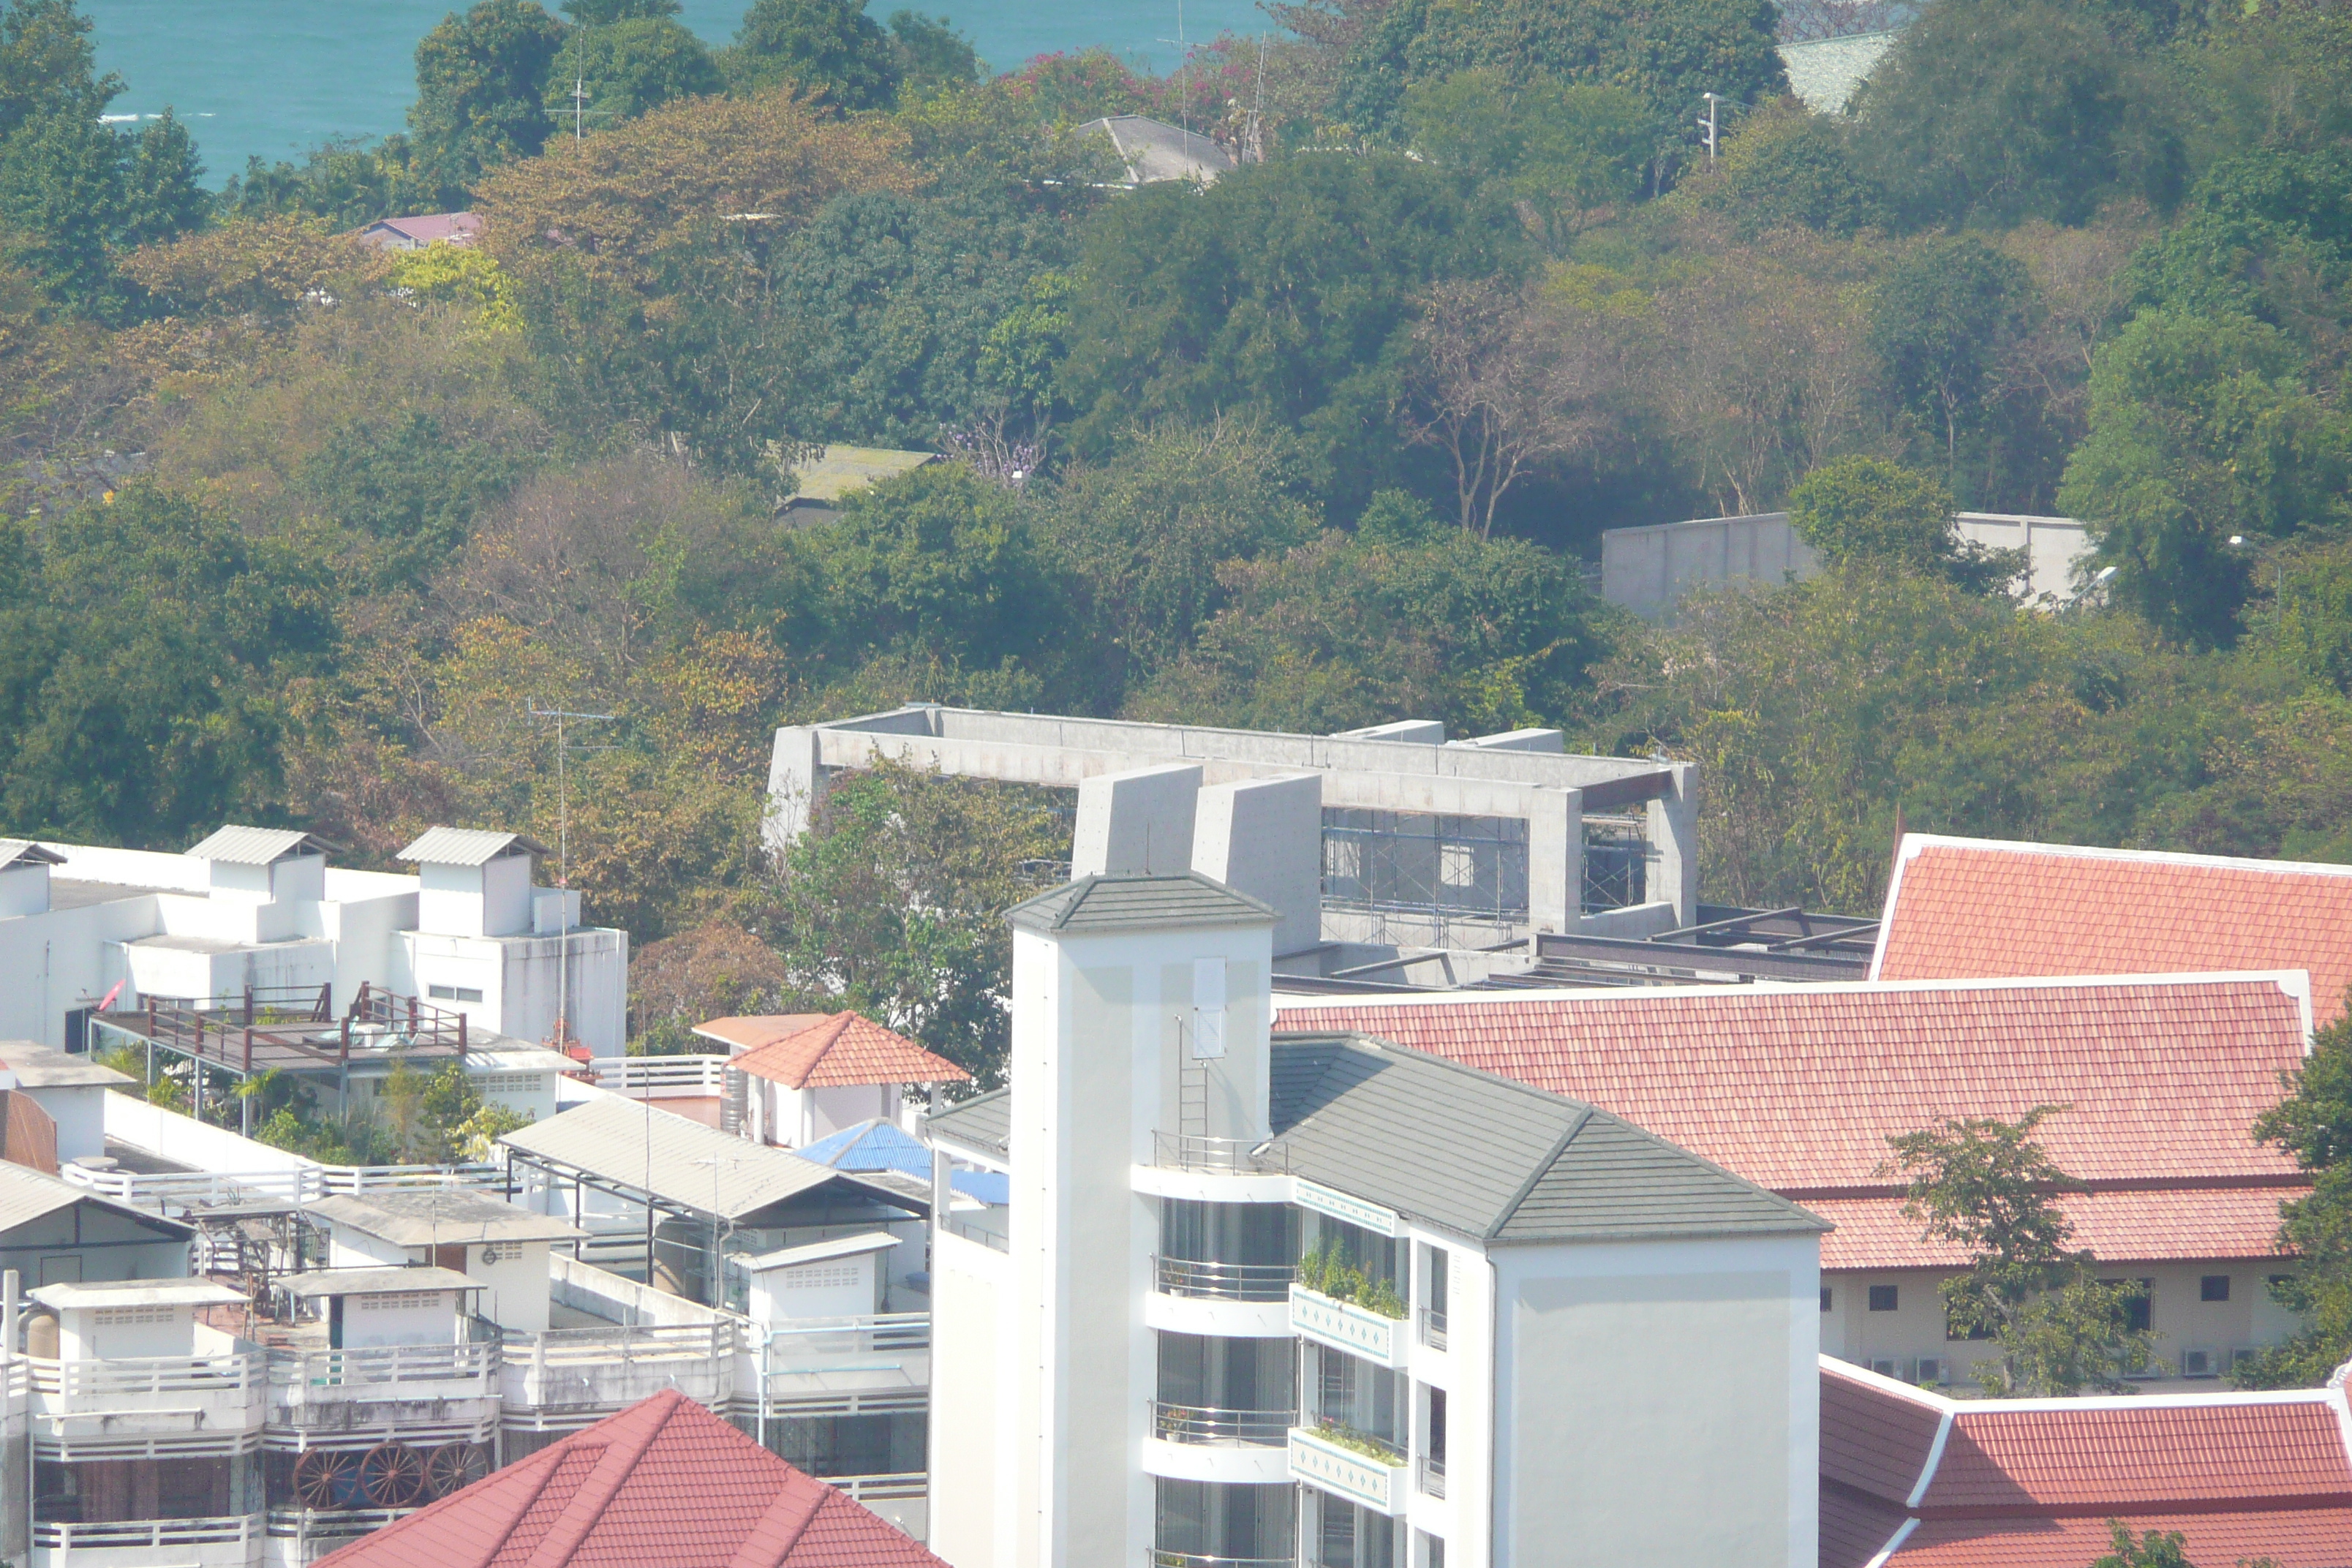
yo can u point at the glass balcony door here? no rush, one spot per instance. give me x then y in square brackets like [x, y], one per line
[1203, 1524]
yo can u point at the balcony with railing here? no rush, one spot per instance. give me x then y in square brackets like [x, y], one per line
[608, 1369]
[1431, 1468]
[1209, 1424]
[218, 1391]
[232, 1540]
[1197, 1296]
[1352, 1465]
[1207, 1443]
[1161, 1557]
[807, 1357]
[1220, 1156]
[1222, 1281]
[1346, 1326]
[313, 1387]
[1432, 1327]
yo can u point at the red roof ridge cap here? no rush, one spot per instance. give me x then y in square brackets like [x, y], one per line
[780, 1529]
[623, 1448]
[1913, 843]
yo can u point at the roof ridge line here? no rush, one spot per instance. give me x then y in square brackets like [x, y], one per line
[599, 1487]
[1542, 1169]
[789, 1513]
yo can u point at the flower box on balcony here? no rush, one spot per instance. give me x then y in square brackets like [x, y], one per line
[1345, 1326]
[1380, 1484]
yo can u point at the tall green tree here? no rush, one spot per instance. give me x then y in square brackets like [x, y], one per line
[2312, 1125]
[1284, 291]
[1985, 1184]
[830, 47]
[1939, 318]
[2202, 431]
[622, 68]
[1867, 509]
[1998, 110]
[481, 90]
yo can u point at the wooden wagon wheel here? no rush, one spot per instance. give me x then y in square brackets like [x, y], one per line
[392, 1476]
[323, 1476]
[452, 1467]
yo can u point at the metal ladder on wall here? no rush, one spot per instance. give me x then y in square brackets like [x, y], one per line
[1191, 1098]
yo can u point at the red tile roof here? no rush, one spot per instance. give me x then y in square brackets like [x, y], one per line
[665, 1482]
[2030, 1483]
[1966, 908]
[2152, 1227]
[815, 1050]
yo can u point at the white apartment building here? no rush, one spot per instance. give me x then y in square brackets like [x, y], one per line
[1318, 1300]
[260, 910]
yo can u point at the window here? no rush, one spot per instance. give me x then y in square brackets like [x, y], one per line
[2213, 1287]
[454, 993]
[1885, 1298]
[1825, 1297]
[398, 1300]
[1433, 1550]
[2138, 1307]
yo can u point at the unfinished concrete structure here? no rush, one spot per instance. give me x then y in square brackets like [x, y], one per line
[1391, 836]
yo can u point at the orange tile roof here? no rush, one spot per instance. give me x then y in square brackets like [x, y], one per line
[1966, 908]
[2194, 1224]
[2030, 1483]
[1799, 1090]
[829, 1052]
[665, 1482]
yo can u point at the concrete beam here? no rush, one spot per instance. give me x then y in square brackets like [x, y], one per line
[1550, 742]
[1412, 731]
[1265, 837]
[1140, 820]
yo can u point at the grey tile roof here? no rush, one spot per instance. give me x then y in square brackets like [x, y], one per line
[1131, 901]
[468, 846]
[257, 846]
[1489, 1158]
[984, 1122]
[625, 1143]
[1154, 150]
[24, 852]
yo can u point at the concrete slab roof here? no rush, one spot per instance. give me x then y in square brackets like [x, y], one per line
[136, 1293]
[42, 1066]
[375, 1282]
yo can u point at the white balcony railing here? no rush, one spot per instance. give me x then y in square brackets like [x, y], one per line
[662, 1077]
[1345, 1326]
[1236, 1156]
[1219, 1428]
[379, 1371]
[150, 1534]
[1378, 1478]
[154, 1386]
[819, 1340]
[609, 1368]
[301, 1185]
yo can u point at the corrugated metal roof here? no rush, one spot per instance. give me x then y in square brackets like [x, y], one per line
[24, 852]
[424, 1217]
[984, 1121]
[258, 845]
[1494, 1159]
[879, 1145]
[836, 470]
[26, 1195]
[1132, 901]
[628, 1144]
[468, 846]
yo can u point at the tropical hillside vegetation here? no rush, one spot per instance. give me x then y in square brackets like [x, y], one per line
[303, 531]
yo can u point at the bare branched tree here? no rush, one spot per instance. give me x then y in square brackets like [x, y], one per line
[1503, 384]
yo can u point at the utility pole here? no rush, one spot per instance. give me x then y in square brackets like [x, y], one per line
[564, 869]
[1255, 145]
[1712, 100]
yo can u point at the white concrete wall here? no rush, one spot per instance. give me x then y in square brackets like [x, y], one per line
[299, 878]
[64, 960]
[449, 899]
[1663, 1398]
[1265, 837]
[391, 1320]
[517, 1292]
[506, 896]
[79, 1111]
[2053, 546]
[972, 1374]
[1648, 569]
[831, 1288]
[24, 890]
[196, 1145]
[124, 1333]
[1140, 820]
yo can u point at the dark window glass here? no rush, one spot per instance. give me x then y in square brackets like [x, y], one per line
[2213, 1287]
[2139, 1306]
[1885, 1298]
[1825, 1297]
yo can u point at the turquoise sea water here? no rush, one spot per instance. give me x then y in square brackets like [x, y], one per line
[276, 77]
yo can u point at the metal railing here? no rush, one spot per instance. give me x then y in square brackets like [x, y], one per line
[1161, 1557]
[189, 1189]
[626, 1345]
[893, 1333]
[1432, 1475]
[1197, 1152]
[1432, 1327]
[910, 1484]
[357, 1371]
[232, 1529]
[996, 1241]
[1208, 1423]
[1223, 1281]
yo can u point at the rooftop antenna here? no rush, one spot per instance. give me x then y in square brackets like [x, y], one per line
[580, 109]
[1256, 144]
[564, 869]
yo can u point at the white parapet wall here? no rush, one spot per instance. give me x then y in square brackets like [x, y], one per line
[1649, 569]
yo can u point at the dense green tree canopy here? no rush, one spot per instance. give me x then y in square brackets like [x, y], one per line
[623, 67]
[830, 47]
[481, 89]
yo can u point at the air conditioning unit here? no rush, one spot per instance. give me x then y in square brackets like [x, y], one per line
[1887, 1365]
[2200, 1361]
[1932, 1369]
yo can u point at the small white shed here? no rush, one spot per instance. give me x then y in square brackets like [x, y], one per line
[840, 1278]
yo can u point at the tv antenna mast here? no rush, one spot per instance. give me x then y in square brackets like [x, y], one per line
[563, 868]
[580, 109]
